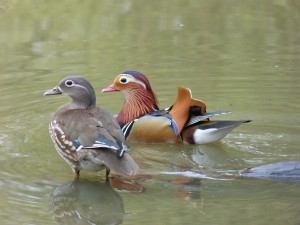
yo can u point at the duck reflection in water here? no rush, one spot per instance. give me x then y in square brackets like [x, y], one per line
[86, 202]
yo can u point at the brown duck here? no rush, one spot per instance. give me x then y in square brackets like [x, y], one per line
[86, 136]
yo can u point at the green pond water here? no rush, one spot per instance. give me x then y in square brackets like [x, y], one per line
[242, 56]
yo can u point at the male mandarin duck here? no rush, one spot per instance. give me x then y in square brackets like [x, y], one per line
[185, 121]
[86, 136]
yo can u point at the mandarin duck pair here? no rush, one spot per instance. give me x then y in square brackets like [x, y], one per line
[88, 137]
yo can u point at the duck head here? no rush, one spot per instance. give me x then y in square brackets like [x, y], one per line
[78, 88]
[139, 96]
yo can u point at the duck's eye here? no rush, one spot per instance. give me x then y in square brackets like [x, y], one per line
[69, 83]
[123, 80]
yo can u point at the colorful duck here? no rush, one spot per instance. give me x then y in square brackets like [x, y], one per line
[185, 121]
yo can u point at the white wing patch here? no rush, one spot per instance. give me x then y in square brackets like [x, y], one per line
[98, 144]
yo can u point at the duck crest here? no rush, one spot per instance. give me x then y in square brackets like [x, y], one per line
[138, 102]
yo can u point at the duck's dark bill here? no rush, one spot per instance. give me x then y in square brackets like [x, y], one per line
[54, 91]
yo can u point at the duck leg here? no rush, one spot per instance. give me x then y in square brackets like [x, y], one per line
[77, 173]
[106, 175]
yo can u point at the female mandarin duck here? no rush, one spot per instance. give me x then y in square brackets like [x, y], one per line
[185, 121]
[86, 136]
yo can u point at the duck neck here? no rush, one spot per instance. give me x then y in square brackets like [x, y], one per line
[85, 102]
[138, 102]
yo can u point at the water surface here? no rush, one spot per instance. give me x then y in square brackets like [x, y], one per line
[242, 56]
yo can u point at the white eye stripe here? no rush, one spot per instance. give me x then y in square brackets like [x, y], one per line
[69, 83]
[125, 78]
